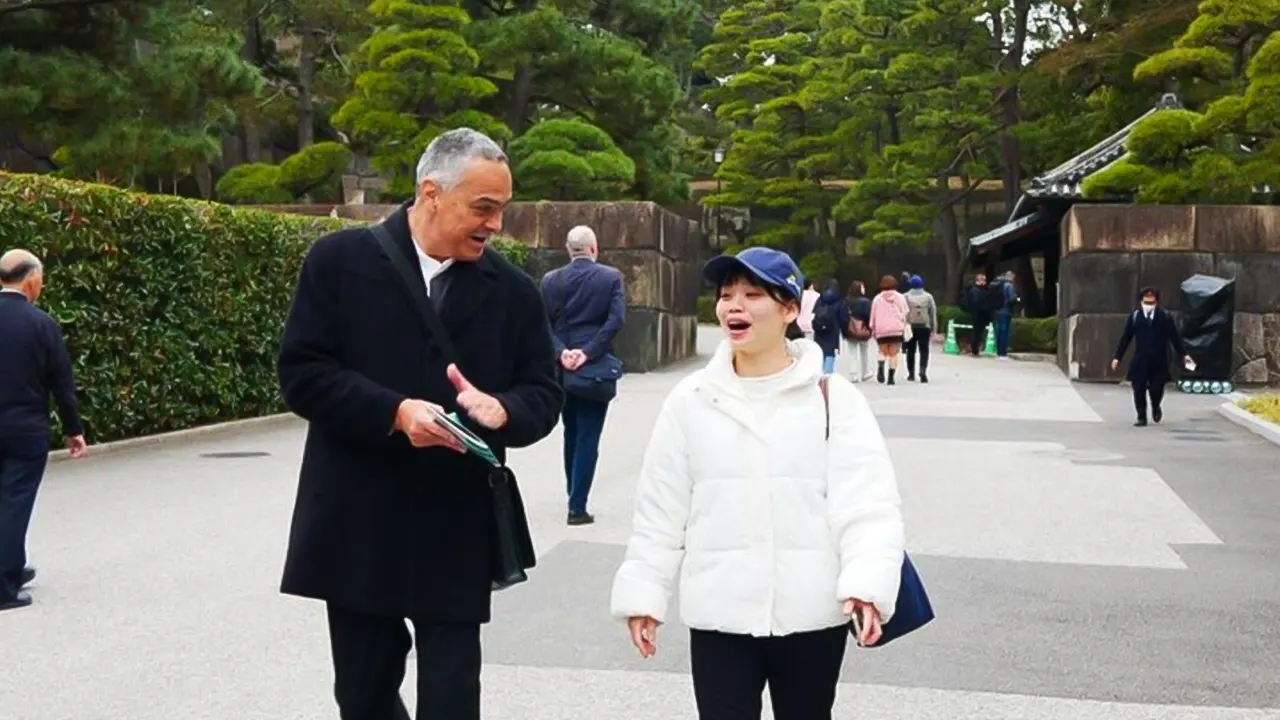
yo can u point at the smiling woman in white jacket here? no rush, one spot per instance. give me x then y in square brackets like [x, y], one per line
[782, 532]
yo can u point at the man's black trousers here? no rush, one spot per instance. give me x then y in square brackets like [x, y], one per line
[730, 673]
[22, 464]
[369, 654]
[1141, 389]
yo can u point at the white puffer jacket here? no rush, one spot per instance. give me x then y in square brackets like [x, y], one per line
[774, 524]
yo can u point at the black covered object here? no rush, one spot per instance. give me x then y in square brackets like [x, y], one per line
[1208, 324]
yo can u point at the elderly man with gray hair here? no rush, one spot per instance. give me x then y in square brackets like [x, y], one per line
[587, 308]
[34, 364]
[397, 331]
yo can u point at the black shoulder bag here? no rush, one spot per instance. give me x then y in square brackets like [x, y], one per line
[511, 552]
[597, 379]
[914, 610]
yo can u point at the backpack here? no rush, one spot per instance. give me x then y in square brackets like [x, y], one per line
[823, 319]
[918, 309]
[995, 296]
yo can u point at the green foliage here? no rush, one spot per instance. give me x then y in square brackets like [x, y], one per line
[418, 80]
[1026, 335]
[317, 170]
[589, 62]
[1228, 150]
[781, 120]
[172, 309]
[818, 266]
[511, 249]
[569, 160]
[707, 310]
[122, 91]
[253, 184]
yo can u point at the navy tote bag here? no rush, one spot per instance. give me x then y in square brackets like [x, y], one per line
[913, 609]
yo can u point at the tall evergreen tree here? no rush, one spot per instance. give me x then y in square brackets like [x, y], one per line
[418, 79]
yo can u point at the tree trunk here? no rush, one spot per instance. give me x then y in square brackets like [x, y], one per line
[306, 73]
[949, 235]
[521, 95]
[1010, 150]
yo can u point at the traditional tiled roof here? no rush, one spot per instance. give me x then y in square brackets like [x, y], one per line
[1063, 182]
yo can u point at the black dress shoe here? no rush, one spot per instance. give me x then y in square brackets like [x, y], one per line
[1157, 414]
[28, 574]
[1142, 422]
[581, 518]
[20, 600]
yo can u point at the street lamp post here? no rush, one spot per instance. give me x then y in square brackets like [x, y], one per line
[718, 157]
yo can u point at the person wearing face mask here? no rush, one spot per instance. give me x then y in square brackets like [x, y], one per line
[770, 491]
[1152, 330]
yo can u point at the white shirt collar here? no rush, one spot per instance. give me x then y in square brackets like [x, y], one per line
[431, 267]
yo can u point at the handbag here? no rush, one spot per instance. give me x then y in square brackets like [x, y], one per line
[597, 379]
[511, 553]
[914, 610]
[859, 330]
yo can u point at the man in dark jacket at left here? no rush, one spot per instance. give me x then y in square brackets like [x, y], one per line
[34, 364]
[393, 519]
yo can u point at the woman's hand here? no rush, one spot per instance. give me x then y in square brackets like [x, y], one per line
[868, 620]
[644, 631]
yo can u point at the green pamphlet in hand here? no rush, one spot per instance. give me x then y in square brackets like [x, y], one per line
[468, 439]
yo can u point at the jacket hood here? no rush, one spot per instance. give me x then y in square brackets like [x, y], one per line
[830, 296]
[806, 370]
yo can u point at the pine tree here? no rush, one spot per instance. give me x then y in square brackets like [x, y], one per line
[418, 80]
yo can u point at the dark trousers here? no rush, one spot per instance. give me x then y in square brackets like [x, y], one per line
[1004, 328]
[978, 336]
[583, 424]
[920, 335]
[730, 673]
[22, 464]
[369, 661]
[1142, 387]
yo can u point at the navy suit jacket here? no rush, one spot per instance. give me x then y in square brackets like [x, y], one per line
[586, 306]
[33, 364]
[1151, 340]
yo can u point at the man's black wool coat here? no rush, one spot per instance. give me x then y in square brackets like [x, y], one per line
[1151, 341]
[379, 526]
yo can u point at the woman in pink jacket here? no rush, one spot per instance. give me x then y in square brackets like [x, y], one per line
[888, 325]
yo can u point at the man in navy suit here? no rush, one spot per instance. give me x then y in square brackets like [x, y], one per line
[587, 308]
[33, 364]
[1153, 330]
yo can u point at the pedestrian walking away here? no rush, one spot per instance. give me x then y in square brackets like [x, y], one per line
[889, 327]
[922, 316]
[34, 364]
[830, 324]
[393, 327]
[768, 488]
[858, 364]
[1152, 331]
[587, 308]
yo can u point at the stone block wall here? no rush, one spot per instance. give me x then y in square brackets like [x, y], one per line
[658, 251]
[1109, 252]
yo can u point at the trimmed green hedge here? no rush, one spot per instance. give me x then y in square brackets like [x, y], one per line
[1038, 335]
[172, 308]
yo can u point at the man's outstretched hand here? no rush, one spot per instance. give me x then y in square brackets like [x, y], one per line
[482, 407]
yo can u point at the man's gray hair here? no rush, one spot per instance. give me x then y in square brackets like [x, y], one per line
[20, 266]
[580, 241]
[451, 152]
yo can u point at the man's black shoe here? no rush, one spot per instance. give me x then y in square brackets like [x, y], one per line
[1157, 414]
[1142, 422]
[20, 600]
[581, 519]
[924, 378]
[28, 574]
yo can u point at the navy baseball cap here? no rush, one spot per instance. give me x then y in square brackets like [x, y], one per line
[772, 267]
